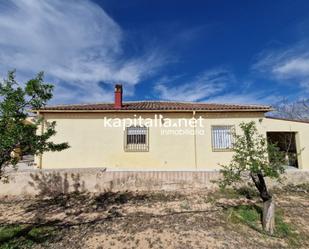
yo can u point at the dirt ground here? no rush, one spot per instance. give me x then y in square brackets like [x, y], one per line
[184, 219]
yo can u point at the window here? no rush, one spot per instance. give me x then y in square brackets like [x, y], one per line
[136, 139]
[222, 138]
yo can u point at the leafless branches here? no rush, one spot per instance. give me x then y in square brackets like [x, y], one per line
[297, 110]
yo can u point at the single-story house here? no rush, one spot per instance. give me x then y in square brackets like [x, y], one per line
[162, 136]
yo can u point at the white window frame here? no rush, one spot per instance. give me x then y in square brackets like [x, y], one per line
[137, 145]
[214, 143]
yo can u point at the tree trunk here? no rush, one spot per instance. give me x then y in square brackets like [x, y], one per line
[269, 216]
[268, 219]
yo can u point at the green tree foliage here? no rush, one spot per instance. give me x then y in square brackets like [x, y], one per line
[255, 158]
[15, 103]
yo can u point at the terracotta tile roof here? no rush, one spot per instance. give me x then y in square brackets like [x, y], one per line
[159, 106]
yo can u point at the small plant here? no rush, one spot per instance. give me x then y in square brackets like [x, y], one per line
[23, 236]
[40, 234]
[185, 205]
[247, 191]
[248, 215]
[286, 230]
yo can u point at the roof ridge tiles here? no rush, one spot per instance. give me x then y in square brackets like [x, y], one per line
[158, 105]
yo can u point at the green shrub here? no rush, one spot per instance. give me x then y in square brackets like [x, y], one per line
[251, 216]
[23, 236]
[8, 232]
[185, 205]
[247, 191]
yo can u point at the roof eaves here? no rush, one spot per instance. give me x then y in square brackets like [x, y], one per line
[152, 110]
[287, 119]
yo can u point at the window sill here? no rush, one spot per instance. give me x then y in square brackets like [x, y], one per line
[222, 150]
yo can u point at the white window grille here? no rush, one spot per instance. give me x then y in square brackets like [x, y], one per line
[136, 139]
[222, 137]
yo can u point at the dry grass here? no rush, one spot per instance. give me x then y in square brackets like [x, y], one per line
[189, 219]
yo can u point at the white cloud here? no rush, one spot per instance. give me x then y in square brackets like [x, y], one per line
[289, 65]
[258, 97]
[214, 86]
[73, 41]
[294, 67]
[206, 84]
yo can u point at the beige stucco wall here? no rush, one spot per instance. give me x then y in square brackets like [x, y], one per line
[93, 145]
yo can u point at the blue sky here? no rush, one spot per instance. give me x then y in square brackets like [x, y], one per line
[211, 51]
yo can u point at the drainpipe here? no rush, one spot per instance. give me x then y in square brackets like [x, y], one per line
[194, 136]
[42, 131]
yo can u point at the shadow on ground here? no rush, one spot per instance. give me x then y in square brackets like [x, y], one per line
[77, 219]
[54, 184]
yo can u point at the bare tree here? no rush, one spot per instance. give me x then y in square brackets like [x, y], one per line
[297, 110]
